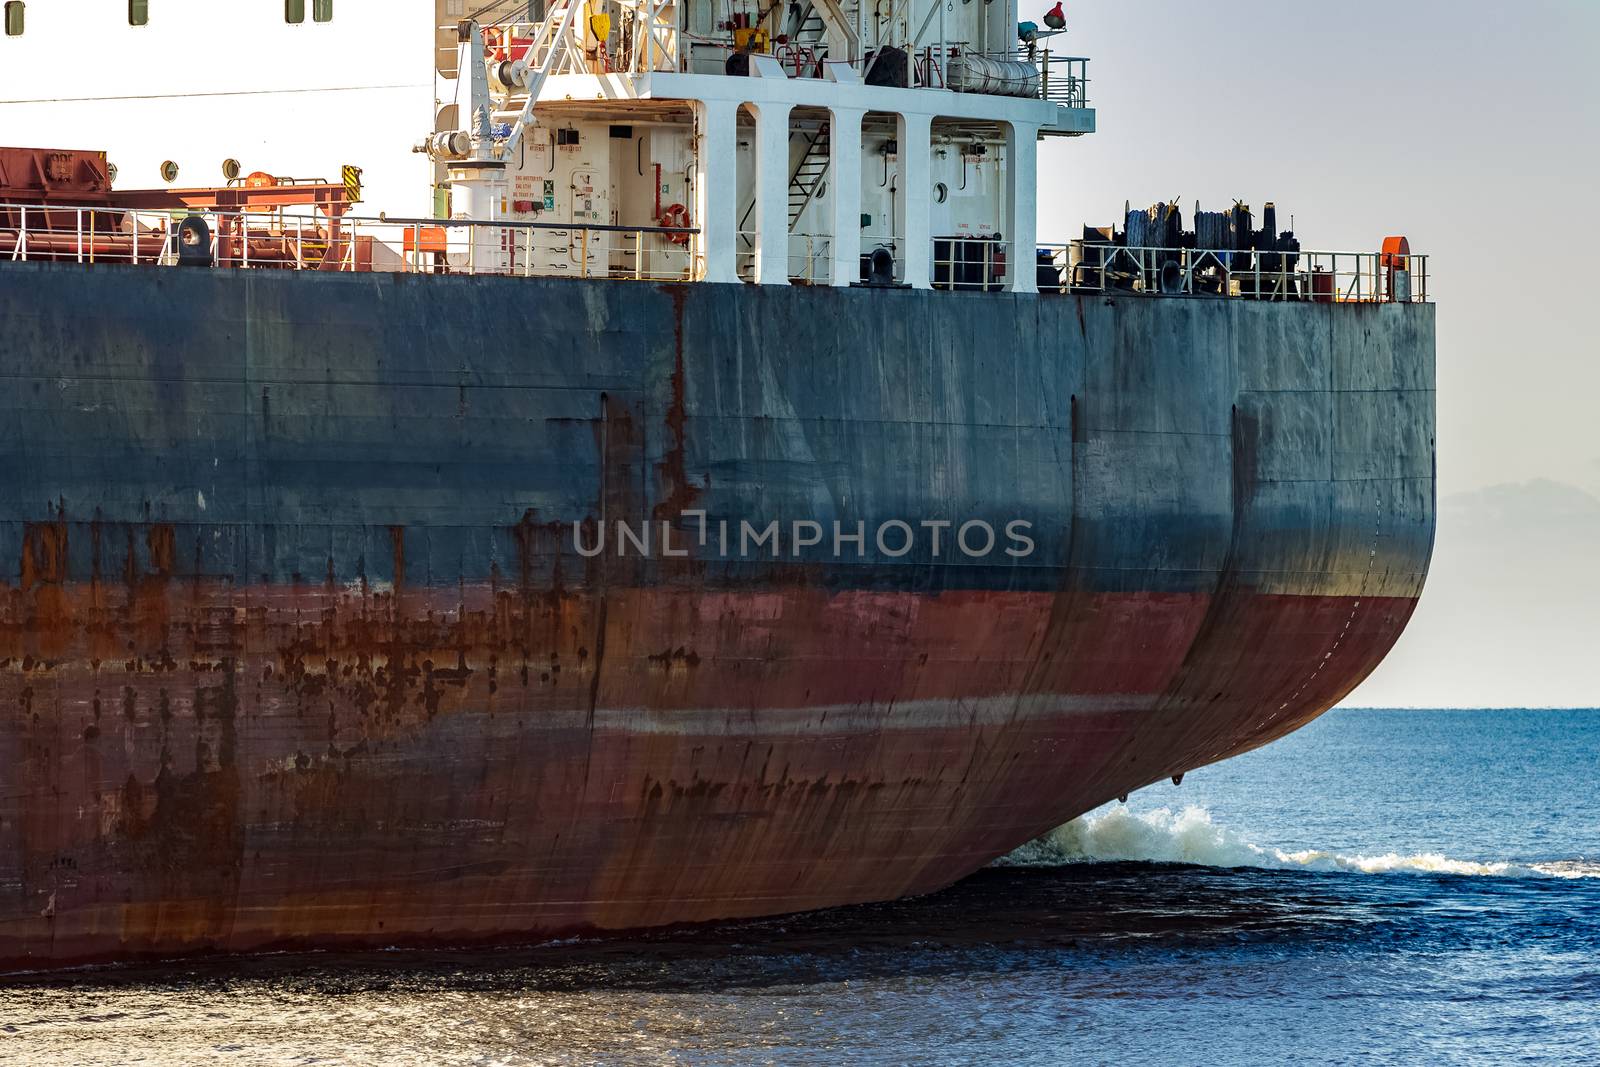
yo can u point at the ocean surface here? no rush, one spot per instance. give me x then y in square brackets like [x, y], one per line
[1381, 887]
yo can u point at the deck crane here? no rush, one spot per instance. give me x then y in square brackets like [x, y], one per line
[474, 157]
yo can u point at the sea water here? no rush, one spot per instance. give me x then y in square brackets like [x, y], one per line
[1383, 886]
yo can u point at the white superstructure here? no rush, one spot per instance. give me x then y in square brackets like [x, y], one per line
[788, 140]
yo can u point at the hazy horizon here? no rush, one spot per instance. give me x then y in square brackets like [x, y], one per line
[1464, 126]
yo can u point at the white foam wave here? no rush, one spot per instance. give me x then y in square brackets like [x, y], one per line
[1190, 836]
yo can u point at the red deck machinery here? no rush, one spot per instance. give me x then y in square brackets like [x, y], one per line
[59, 204]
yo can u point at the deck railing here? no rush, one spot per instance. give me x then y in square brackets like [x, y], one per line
[809, 257]
[971, 264]
[308, 241]
[277, 239]
[666, 47]
[1063, 79]
[1318, 277]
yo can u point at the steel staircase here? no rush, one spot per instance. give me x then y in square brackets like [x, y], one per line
[808, 40]
[808, 174]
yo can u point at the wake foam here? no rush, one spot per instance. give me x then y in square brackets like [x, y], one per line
[1189, 836]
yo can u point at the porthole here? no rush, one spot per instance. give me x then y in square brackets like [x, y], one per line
[169, 171]
[941, 192]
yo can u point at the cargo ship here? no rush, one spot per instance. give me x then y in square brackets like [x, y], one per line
[480, 473]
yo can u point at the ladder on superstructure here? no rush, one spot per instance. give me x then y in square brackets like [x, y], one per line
[808, 174]
[552, 49]
[804, 182]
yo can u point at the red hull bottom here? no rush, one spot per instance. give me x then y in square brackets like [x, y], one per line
[305, 767]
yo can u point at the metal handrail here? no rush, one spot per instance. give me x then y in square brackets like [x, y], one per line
[510, 224]
[1314, 276]
[811, 258]
[90, 234]
[1069, 87]
[971, 263]
[314, 241]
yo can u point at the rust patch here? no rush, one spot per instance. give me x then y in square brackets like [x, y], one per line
[537, 541]
[159, 541]
[42, 576]
[397, 541]
[44, 554]
[95, 557]
[675, 657]
[148, 610]
[181, 837]
[523, 532]
[678, 493]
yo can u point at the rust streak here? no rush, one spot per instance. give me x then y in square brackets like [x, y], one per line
[679, 494]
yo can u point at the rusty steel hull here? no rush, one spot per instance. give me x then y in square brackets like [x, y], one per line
[297, 648]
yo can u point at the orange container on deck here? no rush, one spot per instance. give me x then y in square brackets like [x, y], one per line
[1396, 253]
[425, 239]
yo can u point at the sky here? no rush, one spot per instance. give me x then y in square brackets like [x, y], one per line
[1474, 129]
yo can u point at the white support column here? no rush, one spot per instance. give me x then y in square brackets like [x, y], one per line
[915, 134]
[844, 190]
[478, 189]
[1022, 204]
[716, 208]
[772, 194]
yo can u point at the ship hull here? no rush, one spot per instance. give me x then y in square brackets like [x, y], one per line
[302, 646]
